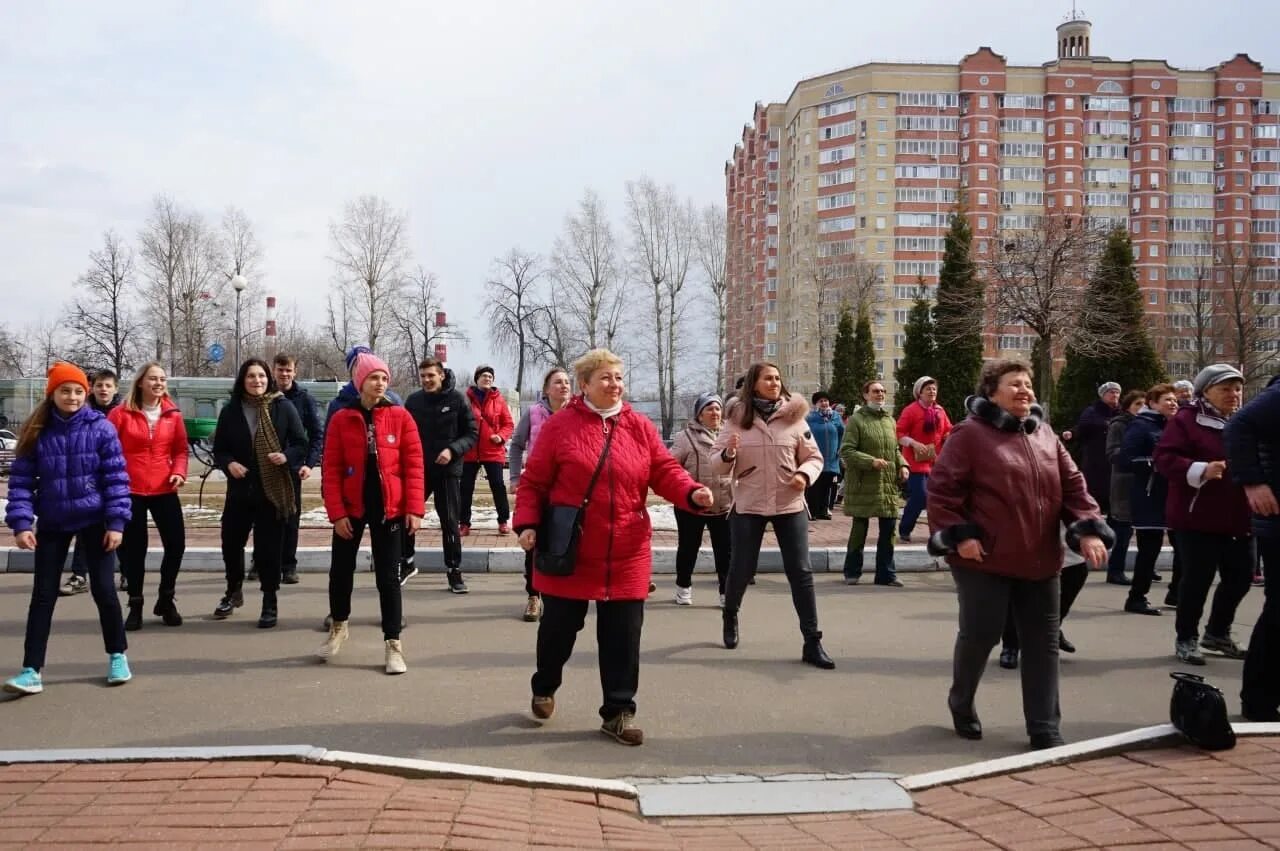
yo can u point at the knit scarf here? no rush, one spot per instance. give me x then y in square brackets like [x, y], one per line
[277, 484]
[766, 407]
[931, 418]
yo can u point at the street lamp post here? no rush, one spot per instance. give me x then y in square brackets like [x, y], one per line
[238, 283]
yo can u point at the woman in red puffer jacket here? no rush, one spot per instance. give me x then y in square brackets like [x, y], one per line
[614, 560]
[154, 439]
[493, 418]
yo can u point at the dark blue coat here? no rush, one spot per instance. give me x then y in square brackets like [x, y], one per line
[1149, 489]
[305, 404]
[75, 478]
[1252, 439]
[349, 396]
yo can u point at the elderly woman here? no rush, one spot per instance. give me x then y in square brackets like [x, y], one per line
[923, 427]
[997, 500]
[692, 448]
[1147, 491]
[1120, 521]
[598, 453]
[876, 468]
[768, 450]
[258, 440]
[1208, 513]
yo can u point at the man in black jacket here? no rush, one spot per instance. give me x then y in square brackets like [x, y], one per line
[448, 429]
[285, 369]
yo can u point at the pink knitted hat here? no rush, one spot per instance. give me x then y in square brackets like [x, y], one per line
[366, 364]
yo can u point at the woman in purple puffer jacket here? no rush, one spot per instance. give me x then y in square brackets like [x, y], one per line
[70, 473]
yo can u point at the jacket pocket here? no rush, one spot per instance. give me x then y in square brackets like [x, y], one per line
[746, 472]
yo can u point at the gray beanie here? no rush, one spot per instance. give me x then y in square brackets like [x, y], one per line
[1106, 387]
[920, 384]
[700, 404]
[1212, 374]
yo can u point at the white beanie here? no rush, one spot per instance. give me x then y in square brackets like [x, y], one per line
[920, 385]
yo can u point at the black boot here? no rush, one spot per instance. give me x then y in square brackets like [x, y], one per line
[134, 620]
[268, 618]
[815, 655]
[730, 628]
[167, 610]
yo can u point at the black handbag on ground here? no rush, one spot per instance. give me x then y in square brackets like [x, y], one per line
[1199, 711]
[561, 528]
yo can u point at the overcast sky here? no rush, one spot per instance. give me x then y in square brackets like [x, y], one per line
[484, 120]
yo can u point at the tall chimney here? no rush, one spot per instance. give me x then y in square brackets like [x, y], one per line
[270, 330]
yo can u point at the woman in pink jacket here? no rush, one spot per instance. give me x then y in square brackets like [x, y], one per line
[768, 450]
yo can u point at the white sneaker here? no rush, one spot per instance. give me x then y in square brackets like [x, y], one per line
[684, 596]
[338, 635]
[395, 657]
[722, 601]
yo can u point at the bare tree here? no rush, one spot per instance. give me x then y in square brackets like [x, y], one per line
[1250, 309]
[11, 354]
[662, 244]
[712, 257]
[1037, 278]
[309, 345]
[243, 253]
[552, 332]
[1192, 314]
[585, 265]
[44, 342]
[339, 325]
[163, 242]
[511, 306]
[414, 317]
[103, 316]
[370, 249]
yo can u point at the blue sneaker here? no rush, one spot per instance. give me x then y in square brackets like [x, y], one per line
[118, 671]
[27, 682]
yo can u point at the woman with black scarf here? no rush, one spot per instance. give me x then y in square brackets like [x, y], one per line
[259, 444]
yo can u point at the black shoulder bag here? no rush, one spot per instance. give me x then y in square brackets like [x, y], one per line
[1199, 711]
[561, 528]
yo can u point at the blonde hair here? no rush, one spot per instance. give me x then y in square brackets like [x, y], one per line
[133, 402]
[585, 366]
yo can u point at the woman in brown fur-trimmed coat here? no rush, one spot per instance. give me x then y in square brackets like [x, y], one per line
[768, 450]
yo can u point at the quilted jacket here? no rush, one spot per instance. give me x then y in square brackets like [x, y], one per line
[493, 417]
[911, 424]
[75, 478]
[614, 560]
[400, 462]
[152, 458]
[692, 448]
[868, 492]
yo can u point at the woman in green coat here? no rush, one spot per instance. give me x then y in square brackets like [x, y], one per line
[874, 469]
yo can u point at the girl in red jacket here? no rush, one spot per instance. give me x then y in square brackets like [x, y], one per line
[490, 452]
[154, 439]
[614, 559]
[373, 475]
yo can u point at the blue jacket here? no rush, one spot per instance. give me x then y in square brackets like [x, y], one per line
[828, 432]
[76, 477]
[1252, 439]
[1149, 490]
[349, 396]
[305, 404]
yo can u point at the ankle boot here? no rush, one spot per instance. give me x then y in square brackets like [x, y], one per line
[730, 628]
[167, 610]
[134, 619]
[268, 618]
[814, 654]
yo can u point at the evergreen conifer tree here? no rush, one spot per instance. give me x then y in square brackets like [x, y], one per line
[844, 385]
[864, 354]
[1114, 344]
[918, 352]
[958, 317]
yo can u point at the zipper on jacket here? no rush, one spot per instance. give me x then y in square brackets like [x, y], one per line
[1035, 473]
[608, 554]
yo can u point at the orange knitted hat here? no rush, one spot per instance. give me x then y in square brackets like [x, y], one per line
[62, 373]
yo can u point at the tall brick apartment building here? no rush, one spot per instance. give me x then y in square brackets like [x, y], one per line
[858, 170]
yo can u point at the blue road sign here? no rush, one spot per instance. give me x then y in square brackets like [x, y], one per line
[216, 353]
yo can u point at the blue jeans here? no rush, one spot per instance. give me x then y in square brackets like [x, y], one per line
[885, 571]
[1120, 552]
[917, 484]
[51, 555]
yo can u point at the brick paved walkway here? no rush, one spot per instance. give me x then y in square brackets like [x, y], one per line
[1167, 797]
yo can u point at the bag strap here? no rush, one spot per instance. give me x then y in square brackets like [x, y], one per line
[1184, 677]
[604, 454]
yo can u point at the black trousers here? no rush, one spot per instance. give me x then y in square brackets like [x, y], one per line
[985, 599]
[492, 472]
[818, 494]
[1260, 690]
[445, 487]
[166, 512]
[1071, 581]
[51, 555]
[240, 516]
[618, 625]
[746, 532]
[1144, 566]
[1205, 556]
[689, 528]
[289, 546]
[384, 540]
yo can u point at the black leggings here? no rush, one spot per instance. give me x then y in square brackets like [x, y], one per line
[689, 527]
[384, 540]
[166, 511]
[492, 472]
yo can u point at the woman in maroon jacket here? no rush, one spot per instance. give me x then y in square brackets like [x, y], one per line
[1208, 513]
[493, 418]
[614, 560]
[998, 496]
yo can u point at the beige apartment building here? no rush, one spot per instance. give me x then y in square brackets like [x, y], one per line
[846, 188]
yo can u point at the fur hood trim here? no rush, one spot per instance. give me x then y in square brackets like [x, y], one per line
[982, 408]
[794, 409]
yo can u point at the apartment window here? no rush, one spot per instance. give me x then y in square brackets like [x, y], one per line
[1053, 177]
[1069, 201]
[807, 138]
[1068, 128]
[880, 246]
[1154, 180]
[1153, 251]
[1069, 177]
[1069, 152]
[880, 223]
[1053, 129]
[984, 126]
[982, 199]
[882, 102]
[982, 222]
[1051, 104]
[1239, 109]
[882, 151]
[1137, 156]
[983, 101]
[1155, 107]
[1155, 131]
[1153, 275]
[1069, 103]
[882, 197]
[882, 126]
[982, 174]
[882, 174]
